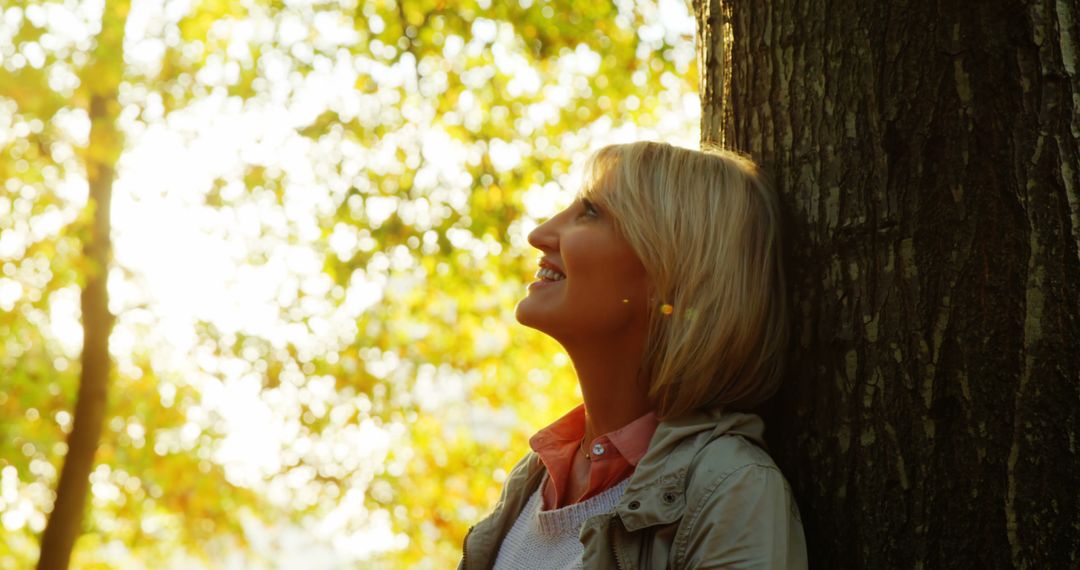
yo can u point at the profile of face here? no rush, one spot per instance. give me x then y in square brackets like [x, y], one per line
[590, 284]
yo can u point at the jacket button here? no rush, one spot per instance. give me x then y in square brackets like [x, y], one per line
[634, 505]
[669, 497]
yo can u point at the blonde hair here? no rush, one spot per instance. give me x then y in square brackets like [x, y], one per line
[705, 224]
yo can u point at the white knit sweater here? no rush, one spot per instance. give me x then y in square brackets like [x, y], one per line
[548, 540]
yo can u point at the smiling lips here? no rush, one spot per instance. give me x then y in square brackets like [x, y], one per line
[548, 274]
[549, 271]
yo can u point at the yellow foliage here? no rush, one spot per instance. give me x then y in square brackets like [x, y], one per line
[392, 385]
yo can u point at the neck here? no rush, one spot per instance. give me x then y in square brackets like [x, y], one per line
[611, 383]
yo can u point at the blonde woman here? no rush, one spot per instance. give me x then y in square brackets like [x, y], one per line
[663, 282]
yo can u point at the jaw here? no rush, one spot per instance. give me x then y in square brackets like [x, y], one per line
[559, 315]
[541, 305]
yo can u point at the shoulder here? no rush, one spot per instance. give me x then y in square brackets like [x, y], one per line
[734, 464]
[522, 472]
[705, 449]
[724, 457]
[523, 480]
[739, 504]
[731, 465]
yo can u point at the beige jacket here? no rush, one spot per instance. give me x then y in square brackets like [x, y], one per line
[706, 495]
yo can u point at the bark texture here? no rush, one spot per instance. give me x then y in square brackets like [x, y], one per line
[100, 82]
[928, 160]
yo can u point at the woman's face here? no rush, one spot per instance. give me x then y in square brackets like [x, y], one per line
[590, 282]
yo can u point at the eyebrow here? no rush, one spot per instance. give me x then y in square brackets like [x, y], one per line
[586, 193]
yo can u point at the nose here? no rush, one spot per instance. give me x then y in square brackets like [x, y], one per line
[545, 237]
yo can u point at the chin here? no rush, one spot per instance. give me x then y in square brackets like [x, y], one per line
[531, 317]
[522, 313]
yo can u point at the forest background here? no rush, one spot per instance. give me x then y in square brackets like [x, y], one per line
[318, 214]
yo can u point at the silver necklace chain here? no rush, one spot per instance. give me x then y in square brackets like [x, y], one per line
[581, 448]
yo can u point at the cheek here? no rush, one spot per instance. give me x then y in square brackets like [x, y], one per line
[608, 271]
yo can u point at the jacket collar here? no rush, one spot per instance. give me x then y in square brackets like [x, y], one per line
[657, 489]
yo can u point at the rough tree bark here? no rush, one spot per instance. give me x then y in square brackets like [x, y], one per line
[100, 84]
[927, 157]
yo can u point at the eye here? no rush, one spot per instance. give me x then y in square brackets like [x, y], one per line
[589, 209]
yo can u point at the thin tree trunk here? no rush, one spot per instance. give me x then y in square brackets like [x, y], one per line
[928, 159]
[66, 518]
[101, 84]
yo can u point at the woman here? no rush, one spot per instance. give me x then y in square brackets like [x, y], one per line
[663, 282]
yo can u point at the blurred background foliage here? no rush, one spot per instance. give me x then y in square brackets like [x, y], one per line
[319, 223]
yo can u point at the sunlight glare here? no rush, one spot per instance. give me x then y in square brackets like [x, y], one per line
[64, 322]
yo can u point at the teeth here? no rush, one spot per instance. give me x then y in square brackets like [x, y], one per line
[549, 274]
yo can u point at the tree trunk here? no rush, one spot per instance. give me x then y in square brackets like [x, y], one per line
[100, 85]
[926, 154]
